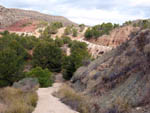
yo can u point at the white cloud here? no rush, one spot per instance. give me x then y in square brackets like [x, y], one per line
[96, 16]
[139, 3]
[87, 11]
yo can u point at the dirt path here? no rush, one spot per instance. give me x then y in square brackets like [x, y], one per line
[47, 103]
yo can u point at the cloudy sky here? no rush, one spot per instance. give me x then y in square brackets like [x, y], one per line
[89, 12]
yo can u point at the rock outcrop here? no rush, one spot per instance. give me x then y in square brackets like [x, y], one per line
[121, 74]
[27, 84]
[95, 50]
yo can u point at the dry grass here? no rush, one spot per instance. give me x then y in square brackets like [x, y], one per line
[121, 105]
[17, 101]
[75, 100]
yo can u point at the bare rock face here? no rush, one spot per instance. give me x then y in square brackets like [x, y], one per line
[27, 84]
[10, 16]
[116, 37]
[121, 74]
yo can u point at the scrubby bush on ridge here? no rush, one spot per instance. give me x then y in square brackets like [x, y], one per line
[99, 30]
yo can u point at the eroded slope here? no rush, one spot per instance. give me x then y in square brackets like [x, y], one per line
[122, 73]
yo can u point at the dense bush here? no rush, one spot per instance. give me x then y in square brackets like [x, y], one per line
[12, 58]
[76, 45]
[47, 55]
[89, 33]
[127, 23]
[68, 30]
[74, 61]
[144, 24]
[28, 42]
[75, 32]
[99, 30]
[59, 42]
[44, 76]
[14, 54]
[47, 32]
[11, 66]
[66, 39]
[57, 24]
[82, 26]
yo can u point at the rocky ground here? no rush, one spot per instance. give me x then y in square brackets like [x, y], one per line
[118, 78]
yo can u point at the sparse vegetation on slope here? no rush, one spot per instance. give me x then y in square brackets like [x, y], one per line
[76, 101]
[121, 73]
[16, 15]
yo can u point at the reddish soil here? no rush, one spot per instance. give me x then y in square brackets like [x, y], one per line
[25, 25]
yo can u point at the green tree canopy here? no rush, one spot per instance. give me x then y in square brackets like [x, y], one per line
[71, 63]
[11, 66]
[47, 55]
[99, 30]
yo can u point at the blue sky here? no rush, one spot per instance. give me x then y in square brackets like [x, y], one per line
[89, 12]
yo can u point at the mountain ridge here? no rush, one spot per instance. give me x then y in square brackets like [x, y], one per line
[8, 16]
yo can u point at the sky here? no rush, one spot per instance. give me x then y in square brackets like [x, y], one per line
[89, 12]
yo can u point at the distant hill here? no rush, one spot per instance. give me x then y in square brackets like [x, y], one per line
[9, 16]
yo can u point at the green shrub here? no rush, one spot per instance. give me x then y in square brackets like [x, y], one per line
[51, 29]
[47, 55]
[127, 23]
[75, 45]
[143, 24]
[44, 76]
[59, 42]
[88, 34]
[71, 63]
[82, 26]
[99, 30]
[11, 67]
[68, 30]
[75, 32]
[66, 39]
[57, 24]
[13, 55]
[42, 24]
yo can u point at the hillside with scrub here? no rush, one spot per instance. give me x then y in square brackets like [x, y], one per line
[49, 64]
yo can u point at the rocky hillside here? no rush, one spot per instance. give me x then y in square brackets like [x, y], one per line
[10, 16]
[116, 36]
[118, 81]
